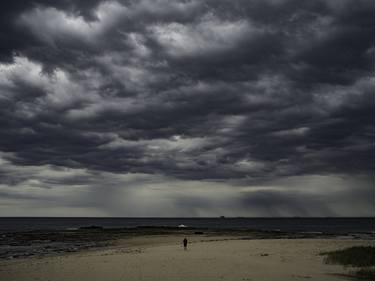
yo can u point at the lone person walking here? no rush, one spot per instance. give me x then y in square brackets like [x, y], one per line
[185, 243]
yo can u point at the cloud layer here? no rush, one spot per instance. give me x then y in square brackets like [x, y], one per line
[187, 99]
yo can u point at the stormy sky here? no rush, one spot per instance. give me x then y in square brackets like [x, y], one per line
[187, 108]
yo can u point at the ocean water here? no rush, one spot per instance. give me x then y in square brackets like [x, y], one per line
[324, 225]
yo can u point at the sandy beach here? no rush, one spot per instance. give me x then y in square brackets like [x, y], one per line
[207, 258]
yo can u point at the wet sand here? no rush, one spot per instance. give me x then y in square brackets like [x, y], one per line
[163, 258]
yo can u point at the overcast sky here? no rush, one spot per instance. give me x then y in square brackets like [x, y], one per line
[187, 108]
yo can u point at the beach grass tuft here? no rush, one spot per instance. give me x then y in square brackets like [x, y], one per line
[362, 257]
[359, 256]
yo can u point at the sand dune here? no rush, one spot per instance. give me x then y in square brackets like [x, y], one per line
[162, 258]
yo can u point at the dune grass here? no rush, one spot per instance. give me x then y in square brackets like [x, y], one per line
[362, 257]
[355, 256]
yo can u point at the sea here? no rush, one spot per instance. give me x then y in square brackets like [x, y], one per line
[318, 225]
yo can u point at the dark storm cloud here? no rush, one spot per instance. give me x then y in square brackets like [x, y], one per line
[13, 38]
[215, 90]
[273, 203]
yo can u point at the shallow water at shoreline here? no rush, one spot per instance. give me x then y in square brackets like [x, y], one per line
[54, 242]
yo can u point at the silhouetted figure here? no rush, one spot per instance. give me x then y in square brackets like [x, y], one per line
[185, 243]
